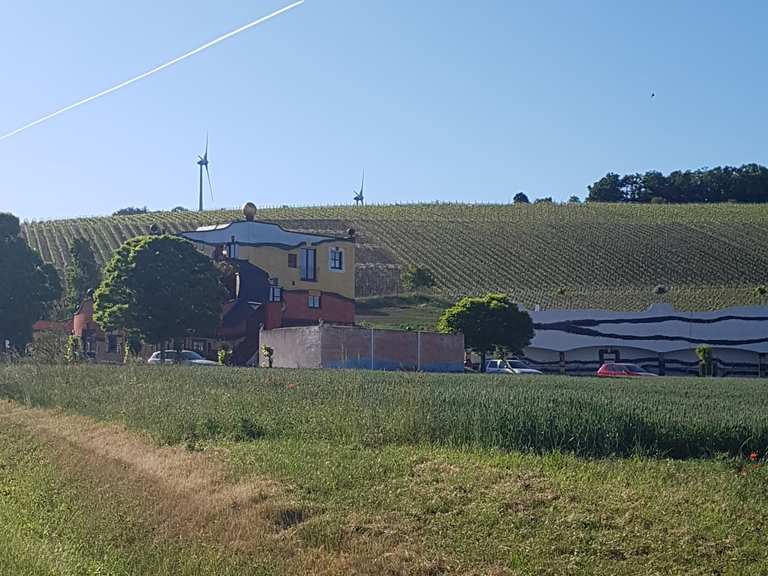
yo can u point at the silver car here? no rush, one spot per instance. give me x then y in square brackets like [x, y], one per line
[186, 358]
[509, 366]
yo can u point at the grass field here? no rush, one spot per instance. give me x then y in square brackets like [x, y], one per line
[593, 255]
[146, 470]
[415, 311]
[676, 417]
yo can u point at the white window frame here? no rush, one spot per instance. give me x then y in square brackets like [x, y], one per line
[275, 291]
[314, 299]
[331, 262]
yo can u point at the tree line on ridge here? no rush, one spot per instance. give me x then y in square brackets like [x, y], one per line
[746, 184]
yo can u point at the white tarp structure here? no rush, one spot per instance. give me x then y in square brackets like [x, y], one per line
[660, 338]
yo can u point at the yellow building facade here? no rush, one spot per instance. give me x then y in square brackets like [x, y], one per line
[288, 278]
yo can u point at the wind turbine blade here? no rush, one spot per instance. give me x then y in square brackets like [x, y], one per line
[362, 185]
[210, 185]
[156, 69]
[206, 146]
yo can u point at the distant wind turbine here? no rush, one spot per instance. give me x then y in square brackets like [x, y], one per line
[203, 163]
[155, 70]
[359, 196]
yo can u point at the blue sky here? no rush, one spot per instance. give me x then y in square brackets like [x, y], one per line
[436, 99]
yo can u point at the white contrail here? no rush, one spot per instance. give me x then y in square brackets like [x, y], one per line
[155, 70]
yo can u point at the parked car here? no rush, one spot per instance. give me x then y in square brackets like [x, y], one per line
[616, 370]
[187, 358]
[509, 366]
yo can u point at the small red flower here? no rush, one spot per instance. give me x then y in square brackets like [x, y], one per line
[291, 386]
[753, 456]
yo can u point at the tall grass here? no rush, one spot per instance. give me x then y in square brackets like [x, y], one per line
[677, 418]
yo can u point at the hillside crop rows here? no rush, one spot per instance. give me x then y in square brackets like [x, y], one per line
[593, 255]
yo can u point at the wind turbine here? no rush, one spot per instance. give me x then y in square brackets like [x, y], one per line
[203, 163]
[359, 197]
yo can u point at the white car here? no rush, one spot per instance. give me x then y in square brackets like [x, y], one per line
[509, 366]
[188, 358]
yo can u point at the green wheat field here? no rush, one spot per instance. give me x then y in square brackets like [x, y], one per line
[172, 470]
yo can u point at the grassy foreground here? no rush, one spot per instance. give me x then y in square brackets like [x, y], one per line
[290, 472]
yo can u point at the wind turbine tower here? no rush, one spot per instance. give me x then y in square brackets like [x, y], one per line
[203, 163]
[359, 197]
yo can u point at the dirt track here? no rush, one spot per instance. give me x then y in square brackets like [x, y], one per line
[188, 496]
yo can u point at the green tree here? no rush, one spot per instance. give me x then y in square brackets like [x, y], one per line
[225, 355]
[132, 348]
[26, 286]
[574, 200]
[521, 198]
[417, 277]
[655, 185]
[130, 211]
[74, 351]
[607, 189]
[706, 360]
[487, 323]
[82, 273]
[161, 288]
[747, 183]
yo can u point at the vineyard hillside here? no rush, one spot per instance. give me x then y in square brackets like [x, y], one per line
[553, 255]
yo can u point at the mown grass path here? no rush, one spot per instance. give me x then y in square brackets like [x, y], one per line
[79, 497]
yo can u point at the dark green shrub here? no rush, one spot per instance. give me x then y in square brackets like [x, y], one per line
[418, 277]
[706, 360]
[225, 356]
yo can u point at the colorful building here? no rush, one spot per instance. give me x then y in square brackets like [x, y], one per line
[282, 278]
[97, 344]
[109, 347]
[661, 339]
[294, 292]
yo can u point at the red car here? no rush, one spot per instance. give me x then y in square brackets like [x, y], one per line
[616, 370]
